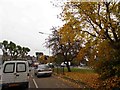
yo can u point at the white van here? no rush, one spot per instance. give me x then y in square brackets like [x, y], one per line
[0, 77]
[15, 73]
[0, 67]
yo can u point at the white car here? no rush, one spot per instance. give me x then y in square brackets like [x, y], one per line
[43, 70]
[15, 73]
[63, 64]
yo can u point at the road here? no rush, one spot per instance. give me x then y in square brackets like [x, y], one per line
[47, 82]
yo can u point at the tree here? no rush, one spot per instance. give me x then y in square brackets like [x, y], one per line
[5, 49]
[43, 59]
[61, 44]
[25, 51]
[99, 24]
[19, 51]
[13, 51]
[98, 19]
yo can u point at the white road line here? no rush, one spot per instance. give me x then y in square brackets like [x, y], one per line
[35, 83]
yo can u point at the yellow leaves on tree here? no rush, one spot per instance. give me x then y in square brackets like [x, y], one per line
[99, 27]
[42, 59]
[81, 54]
[104, 50]
[67, 34]
[51, 59]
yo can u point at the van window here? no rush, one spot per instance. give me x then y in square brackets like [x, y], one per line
[9, 68]
[21, 67]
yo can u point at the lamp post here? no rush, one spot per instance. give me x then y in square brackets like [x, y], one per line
[46, 34]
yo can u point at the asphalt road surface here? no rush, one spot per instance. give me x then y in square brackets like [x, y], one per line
[47, 82]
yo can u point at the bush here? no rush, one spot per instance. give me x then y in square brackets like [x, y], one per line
[110, 83]
[109, 69]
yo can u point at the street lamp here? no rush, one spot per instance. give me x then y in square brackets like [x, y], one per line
[46, 34]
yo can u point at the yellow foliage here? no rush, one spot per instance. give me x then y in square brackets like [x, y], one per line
[104, 50]
[42, 59]
[100, 20]
[96, 23]
[81, 54]
[67, 34]
[50, 59]
[91, 80]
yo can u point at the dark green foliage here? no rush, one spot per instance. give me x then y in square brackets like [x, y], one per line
[13, 51]
[108, 69]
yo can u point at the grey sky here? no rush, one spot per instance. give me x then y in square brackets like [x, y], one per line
[21, 20]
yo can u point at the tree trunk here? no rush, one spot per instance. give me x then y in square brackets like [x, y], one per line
[68, 67]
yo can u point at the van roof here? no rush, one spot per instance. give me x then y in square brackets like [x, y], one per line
[16, 61]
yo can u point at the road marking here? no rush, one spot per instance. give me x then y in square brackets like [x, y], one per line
[31, 75]
[35, 83]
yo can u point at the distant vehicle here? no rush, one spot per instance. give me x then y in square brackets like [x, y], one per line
[35, 64]
[51, 65]
[63, 64]
[15, 73]
[82, 64]
[43, 70]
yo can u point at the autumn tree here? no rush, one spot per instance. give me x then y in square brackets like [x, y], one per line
[50, 59]
[44, 59]
[65, 43]
[99, 24]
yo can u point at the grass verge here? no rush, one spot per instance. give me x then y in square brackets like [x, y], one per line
[86, 78]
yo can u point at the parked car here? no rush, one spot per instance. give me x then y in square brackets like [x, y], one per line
[63, 64]
[43, 70]
[15, 73]
[51, 65]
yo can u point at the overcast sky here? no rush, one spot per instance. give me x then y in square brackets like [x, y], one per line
[21, 20]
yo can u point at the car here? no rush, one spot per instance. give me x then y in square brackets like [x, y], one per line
[15, 73]
[43, 70]
[35, 64]
[51, 65]
[63, 64]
